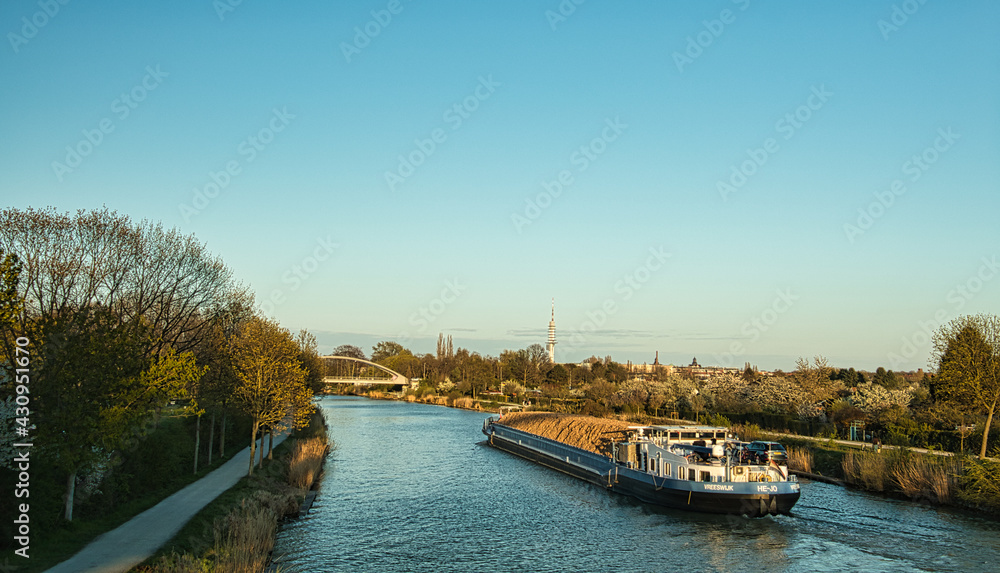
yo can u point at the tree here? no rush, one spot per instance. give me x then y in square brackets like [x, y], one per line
[349, 351]
[386, 349]
[10, 300]
[815, 379]
[271, 380]
[966, 352]
[105, 300]
[404, 362]
[475, 372]
[843, 412]
[600, 390]
[887, 378]
[615, 372]
[557, 375]
[92, 384]
[10, 308]
[310, 360]
[518, 364]
[216, 387]
[345, 368]
[134, 270]
[849, 377]
[445, 349]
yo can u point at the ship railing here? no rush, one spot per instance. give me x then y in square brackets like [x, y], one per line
[765, 473]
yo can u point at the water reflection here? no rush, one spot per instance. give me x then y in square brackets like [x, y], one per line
[411, 488]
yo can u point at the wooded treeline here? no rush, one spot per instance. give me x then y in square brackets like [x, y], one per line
[949, 407]
[122, 323]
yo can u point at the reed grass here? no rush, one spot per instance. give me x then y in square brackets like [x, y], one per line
[920, 477]
[464, 402]
[800, 459]
[179, 563]
[245, 537]
[235, 533]
[865, 469]
[306, 462]
[748, 432]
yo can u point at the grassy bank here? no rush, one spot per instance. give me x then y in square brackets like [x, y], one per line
[159, 465]
[236, 532]
[919, 477]
[942, 480]
[958, 481]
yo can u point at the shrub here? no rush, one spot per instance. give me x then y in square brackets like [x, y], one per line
[595, 409]
[980, 483]
[717, 420]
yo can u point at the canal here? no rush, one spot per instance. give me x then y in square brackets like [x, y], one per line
[412, 487]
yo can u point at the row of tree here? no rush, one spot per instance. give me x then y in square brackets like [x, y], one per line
[476, 373]
[120, 319]
[963, 387]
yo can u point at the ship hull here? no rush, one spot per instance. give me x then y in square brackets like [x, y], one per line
[733, 498]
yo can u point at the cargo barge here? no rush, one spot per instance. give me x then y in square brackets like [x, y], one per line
[695, 468]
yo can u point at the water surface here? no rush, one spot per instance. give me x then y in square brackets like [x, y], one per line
[412, 487]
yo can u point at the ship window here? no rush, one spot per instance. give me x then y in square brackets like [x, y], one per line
[688, 435]
[691, 475]
[705, 476]
[666, 470]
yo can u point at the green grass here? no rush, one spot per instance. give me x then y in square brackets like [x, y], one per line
[62, 542]
[197, 536]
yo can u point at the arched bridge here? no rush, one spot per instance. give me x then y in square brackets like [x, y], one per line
[394, 379]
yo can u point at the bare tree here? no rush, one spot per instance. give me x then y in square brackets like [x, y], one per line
[134, 270]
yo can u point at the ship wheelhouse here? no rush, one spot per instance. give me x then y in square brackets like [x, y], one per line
[693, 453]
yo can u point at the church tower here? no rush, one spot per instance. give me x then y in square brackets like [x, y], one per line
[551, 346]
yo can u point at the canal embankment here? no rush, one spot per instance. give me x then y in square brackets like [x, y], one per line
[415, 488]
[922, 476]
[237, 531]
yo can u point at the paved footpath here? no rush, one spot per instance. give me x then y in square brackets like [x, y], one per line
[861, 445]
[121, 549]
[868, 445]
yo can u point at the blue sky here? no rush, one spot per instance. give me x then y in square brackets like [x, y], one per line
[390, 170]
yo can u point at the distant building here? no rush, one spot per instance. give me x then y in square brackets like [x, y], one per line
[650, 368]
[700, 372]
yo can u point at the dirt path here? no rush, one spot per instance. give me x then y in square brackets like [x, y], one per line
[135, 540]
